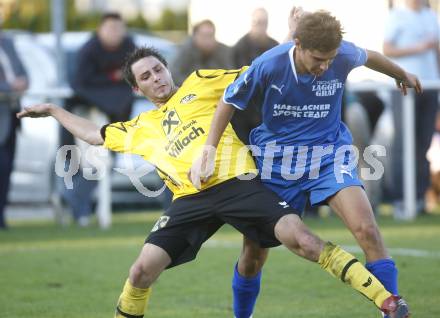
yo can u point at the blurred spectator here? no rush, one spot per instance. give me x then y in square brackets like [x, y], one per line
[13, 81]
[373, 107]
[200, 51]
[433, 156]
[361, 114]
[248, 48]
[101, 94]
[411, 39]
[98, 79]
[251, 45]
[255, 42]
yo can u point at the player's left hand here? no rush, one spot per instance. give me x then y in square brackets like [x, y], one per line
[410, 81]
[36, 111]
[203, 167]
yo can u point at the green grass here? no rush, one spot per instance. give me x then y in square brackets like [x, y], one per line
[47, 271]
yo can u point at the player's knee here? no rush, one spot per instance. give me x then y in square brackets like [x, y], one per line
[296, 237]
[368, 232]
[141, 274]
[285, 231]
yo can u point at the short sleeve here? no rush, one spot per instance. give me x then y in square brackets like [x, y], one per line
[121, 136]
[246, 90]
[355, 55]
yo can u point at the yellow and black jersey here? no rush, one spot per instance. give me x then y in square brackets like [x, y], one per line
[172, 137]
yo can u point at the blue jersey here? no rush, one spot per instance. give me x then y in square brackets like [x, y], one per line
[297, 109]
[301, 116]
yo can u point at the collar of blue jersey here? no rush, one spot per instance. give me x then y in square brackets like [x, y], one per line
[292, 64]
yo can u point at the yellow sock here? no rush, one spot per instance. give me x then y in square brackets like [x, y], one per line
[345, 266]
[132, 302]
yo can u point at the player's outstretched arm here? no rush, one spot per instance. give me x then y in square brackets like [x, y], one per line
[79, 127]
[380, 63]
[204, 166]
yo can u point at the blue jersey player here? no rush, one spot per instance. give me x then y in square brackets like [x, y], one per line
[302, 148]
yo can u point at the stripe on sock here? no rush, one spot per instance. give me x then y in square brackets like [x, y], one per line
[346, 267]
[128, 315]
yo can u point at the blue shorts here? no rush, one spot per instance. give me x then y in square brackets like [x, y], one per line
[328, 183]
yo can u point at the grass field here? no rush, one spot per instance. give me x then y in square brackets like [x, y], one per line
[47, 271]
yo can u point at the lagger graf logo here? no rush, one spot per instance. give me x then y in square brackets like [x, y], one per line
[163, 220]
[327, 88]
[170, 120]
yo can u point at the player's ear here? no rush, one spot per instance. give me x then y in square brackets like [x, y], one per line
[297, 42]
[169, 73]
[136, 90]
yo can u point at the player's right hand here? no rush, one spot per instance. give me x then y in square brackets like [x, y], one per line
[35, 111]
[410, 81]
[296, 13]
[203, 167]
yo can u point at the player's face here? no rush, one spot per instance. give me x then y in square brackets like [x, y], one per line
[315, 62]
[153, 79]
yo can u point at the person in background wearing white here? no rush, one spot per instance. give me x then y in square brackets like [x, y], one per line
[412, 42]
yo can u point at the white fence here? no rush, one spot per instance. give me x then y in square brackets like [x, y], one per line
[409, 170]
[409, 180]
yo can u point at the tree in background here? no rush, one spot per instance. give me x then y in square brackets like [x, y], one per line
[34, 16]
[27, 15]
[171, 20]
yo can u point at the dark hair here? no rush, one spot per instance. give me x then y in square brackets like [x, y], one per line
[197, 26]
[136, 55]
[110, 15]
[319, 31]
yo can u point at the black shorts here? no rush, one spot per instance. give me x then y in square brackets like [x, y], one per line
[248, 206]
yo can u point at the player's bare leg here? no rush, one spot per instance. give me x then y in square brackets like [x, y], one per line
[292, 232]
[252, 258]
[143, 273]
[352, 206]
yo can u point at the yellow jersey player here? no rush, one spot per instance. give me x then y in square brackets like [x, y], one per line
[170, 137]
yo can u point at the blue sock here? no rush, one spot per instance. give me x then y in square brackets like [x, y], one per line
[385, 271]
[245, 293]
